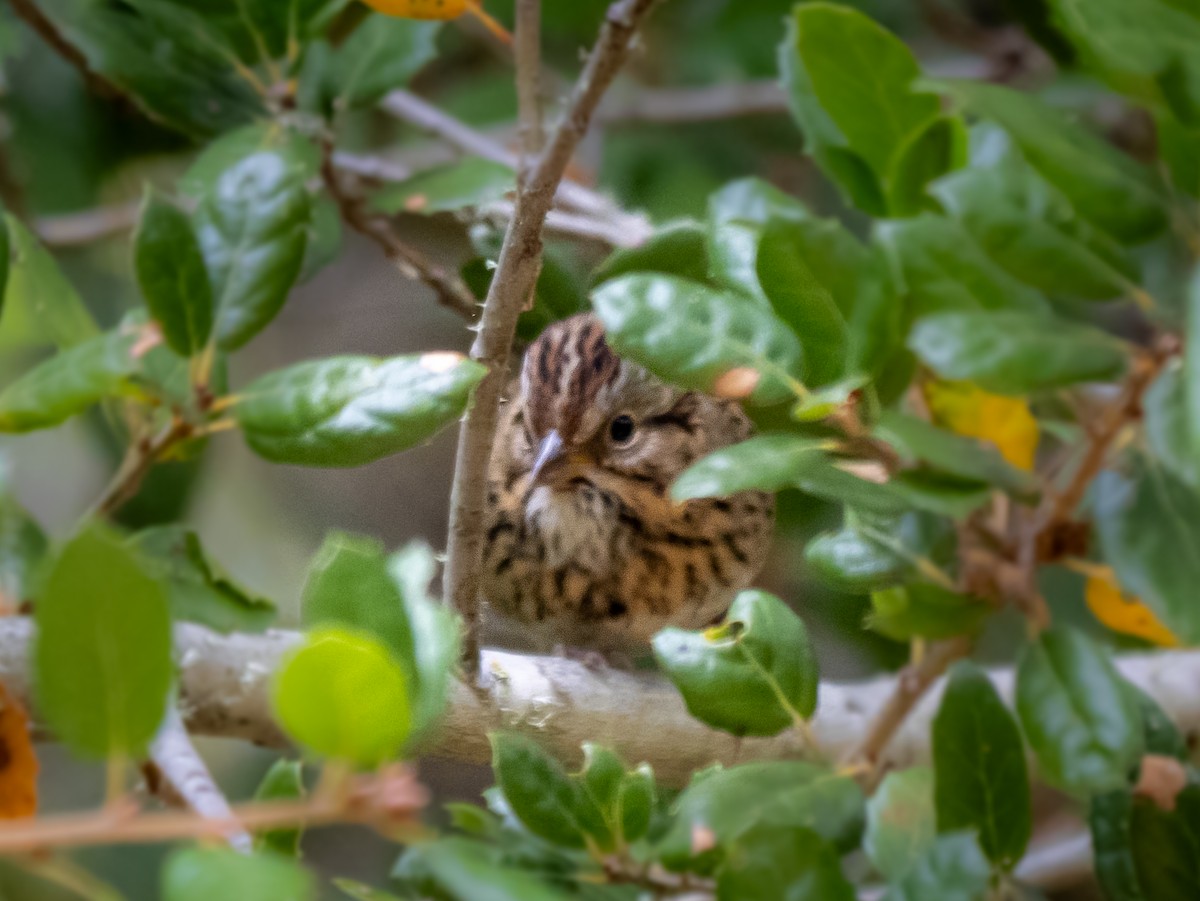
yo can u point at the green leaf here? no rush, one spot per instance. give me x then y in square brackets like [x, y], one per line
[1191, 363]
[772, 864]
[102, 658]
[70, 382]
[953, 869]
[1104, 185]
[917, 440]
[755, 674]
[1162, 736]
[935, 492]
[346, 411]
[383, 53]
[231, 148]
[676, 248]
[284, 781]
[872, 552]
[541, 795]
[1031, 230]
[774, 794]
[1109, 818]
[348, 584]
[5, 254]
[1146, 522]
[752, 200]
[764, 462]
[1179, 150]
[942, 268]
[859, 76]
[468, 183]
[1164, 846]
[1167, 428]
[938, 147]
[924, 610]
[201, 874]
[198, 590]
[800, 299]
[901, 824]
[342, 695]
[460, 869]
[170, 271]
[1083, 726]
[360, 891]
[22, 549]
[625, 799]
[690, 334]
[435, 628]
[1016, 353]
[980, 780]
[38, 296]
[166, 56]
[253, 228]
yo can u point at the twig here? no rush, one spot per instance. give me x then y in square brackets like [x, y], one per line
[181, 777]
[703, 104]
[516, 273]
[388, 800]
[528, 52]
[48, 31]
[139, 459]
[451, 291]
[373, 167]
[910, 687]
[86, 226]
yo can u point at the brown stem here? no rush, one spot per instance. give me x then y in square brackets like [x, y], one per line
[139, 459]
[910, 687]
[529, 81]
[516, 273]
[451, 291]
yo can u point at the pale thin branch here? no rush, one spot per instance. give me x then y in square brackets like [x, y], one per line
[87, 226]
[528, 53]
[695, 104]
[568, 224]
[516, 273]
[376, 168]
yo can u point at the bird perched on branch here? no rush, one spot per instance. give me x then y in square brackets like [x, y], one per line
[584, 546]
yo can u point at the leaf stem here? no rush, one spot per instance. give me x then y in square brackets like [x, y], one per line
[139, 459]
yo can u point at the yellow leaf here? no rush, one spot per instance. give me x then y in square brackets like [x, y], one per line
[420, 9]
[18, 763]
[1005, 422]
[1120, 612]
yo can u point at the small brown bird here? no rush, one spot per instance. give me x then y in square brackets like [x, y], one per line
[585, 548]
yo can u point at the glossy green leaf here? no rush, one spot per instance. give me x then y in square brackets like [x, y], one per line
[901, 821]
[1145, 523]
[102, 658]
[690, 334]
[952, 869]
[980, 780]
[1109, 818]
[1191, 363]
[755, 674]
[38, 298]
[1162, 736]
[341, 695]
[772, 864]
[383, 53]
[259, 28]
[346, 411]
[925, 610]
[872, 552]
[231, 148]
[941, 268]
[752, 200]
[22, 549]
[1016, 353]
[460, 869]
[436, 632]
[1031, 230]
[776, 794]
[197, 589]
[625, 799]
[253, 229]
[677, 248]
[800, 299]
[764, 462]
[166, 56]
[939, 493]
[324, 238]
[850, 85]
[1167, 427]
[1084, 728]
[547, 802]
[171, 273]
[1104, 185]
[940, 146]
[201, 874]
[916, 440]
[467, 183]
[70, 382]
[1164, 846]
[284, 781]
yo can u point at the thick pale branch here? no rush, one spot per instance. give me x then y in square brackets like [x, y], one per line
[224, 682]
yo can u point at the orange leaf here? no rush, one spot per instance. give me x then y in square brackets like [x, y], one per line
[1121, 612]
[1005, 422]
[420, 9]
[18, 763]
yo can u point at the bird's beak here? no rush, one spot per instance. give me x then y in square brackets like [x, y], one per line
[550, 449]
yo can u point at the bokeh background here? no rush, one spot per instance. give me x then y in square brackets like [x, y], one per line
[63, 151]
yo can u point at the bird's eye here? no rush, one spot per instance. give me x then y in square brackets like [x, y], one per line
[621, 429]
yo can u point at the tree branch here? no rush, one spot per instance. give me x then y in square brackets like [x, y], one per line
[48, 31]
[516, 273]
[529, 81]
